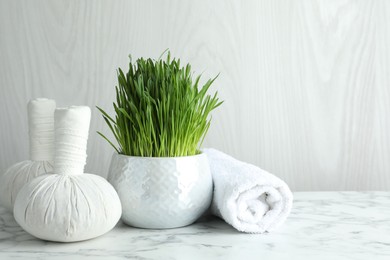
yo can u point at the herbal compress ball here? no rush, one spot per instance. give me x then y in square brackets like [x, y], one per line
[68, 205]
[41, 132]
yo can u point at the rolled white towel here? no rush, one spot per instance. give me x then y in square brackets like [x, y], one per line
[247, 197]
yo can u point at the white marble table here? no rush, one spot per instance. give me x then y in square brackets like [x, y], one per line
[322, 225]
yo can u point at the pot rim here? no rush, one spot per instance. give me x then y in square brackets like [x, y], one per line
[159, 158]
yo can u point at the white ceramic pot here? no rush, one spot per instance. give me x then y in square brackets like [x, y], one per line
[161, 192]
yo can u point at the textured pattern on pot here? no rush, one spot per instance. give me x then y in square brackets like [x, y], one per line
[161, 192]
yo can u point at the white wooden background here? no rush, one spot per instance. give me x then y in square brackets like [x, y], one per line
[305, 83]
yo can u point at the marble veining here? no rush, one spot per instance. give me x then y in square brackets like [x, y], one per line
[322, 225]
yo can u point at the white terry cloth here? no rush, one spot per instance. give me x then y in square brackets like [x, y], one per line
[68, 205]
[247, 197]
[40, 113]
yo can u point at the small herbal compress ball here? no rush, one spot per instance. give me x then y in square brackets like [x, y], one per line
[41, 133]
[68, 205]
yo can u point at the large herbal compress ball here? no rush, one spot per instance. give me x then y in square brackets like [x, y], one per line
[68, 205]
[41, 137]
[67, 208]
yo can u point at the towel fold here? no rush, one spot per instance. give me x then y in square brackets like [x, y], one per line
[247, 197]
